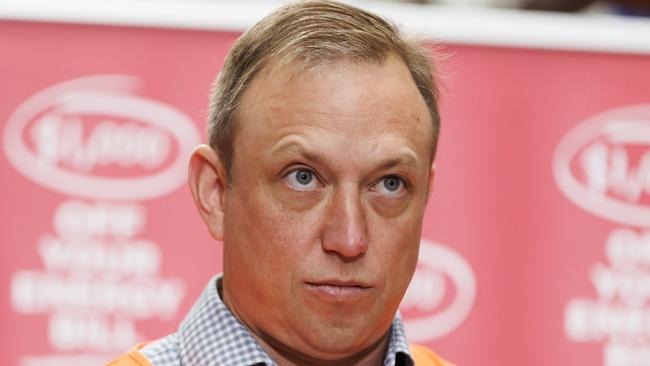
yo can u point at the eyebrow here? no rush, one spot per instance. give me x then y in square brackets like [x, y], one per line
[405, 159]
[407, 156]
[295, 143]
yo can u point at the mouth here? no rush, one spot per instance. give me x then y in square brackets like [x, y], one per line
[337, 290]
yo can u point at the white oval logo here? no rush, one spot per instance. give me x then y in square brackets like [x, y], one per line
[603, 165]
[93, 137]
[441, 294]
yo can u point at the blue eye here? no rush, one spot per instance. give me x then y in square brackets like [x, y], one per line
[303, 176]
[391, 186]
[302, 179]
[392, 183]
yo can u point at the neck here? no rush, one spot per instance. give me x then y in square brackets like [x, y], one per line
[286, 356]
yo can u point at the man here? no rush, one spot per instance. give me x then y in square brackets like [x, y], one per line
[322, 136]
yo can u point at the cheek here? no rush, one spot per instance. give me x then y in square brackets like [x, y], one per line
[272, 237]
[389, 207]
[396, 242]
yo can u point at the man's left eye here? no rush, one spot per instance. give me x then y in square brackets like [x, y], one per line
[391, 185]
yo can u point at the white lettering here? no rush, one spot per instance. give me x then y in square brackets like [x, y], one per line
[36, 292]
[627, 354]
[626, 248]
[588, 321]
[609, 169]
[79, 219]
[68, 332]
[620, 316]
[631, 287]
[137, 258]
[62, 140]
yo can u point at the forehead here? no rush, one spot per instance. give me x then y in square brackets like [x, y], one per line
[354, 101]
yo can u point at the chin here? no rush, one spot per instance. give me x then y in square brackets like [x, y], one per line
[338, 343]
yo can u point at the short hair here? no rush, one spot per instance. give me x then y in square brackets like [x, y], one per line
[310, 34]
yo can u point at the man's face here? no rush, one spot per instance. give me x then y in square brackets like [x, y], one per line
[323, 215]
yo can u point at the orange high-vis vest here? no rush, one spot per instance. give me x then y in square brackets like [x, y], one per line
[420, 354]
[423, 356]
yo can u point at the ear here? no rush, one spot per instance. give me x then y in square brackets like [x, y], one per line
[432, 174]
[207, 180]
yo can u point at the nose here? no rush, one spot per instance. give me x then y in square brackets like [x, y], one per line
[345, 227]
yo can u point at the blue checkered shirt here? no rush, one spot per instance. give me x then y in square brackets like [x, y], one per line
[210, 335]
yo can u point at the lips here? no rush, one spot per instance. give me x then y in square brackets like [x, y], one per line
[338, 290]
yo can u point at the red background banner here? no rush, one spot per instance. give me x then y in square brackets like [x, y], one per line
[535, 236]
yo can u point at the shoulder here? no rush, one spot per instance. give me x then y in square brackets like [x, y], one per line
[423, 356]
[132, 358]
[163, 352]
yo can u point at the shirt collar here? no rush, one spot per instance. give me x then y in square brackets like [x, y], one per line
[398, 347]
[211, 335]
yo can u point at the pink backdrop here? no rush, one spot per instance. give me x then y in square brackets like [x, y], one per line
[536, 245]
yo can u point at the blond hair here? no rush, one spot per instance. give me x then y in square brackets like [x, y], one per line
[309, 34]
